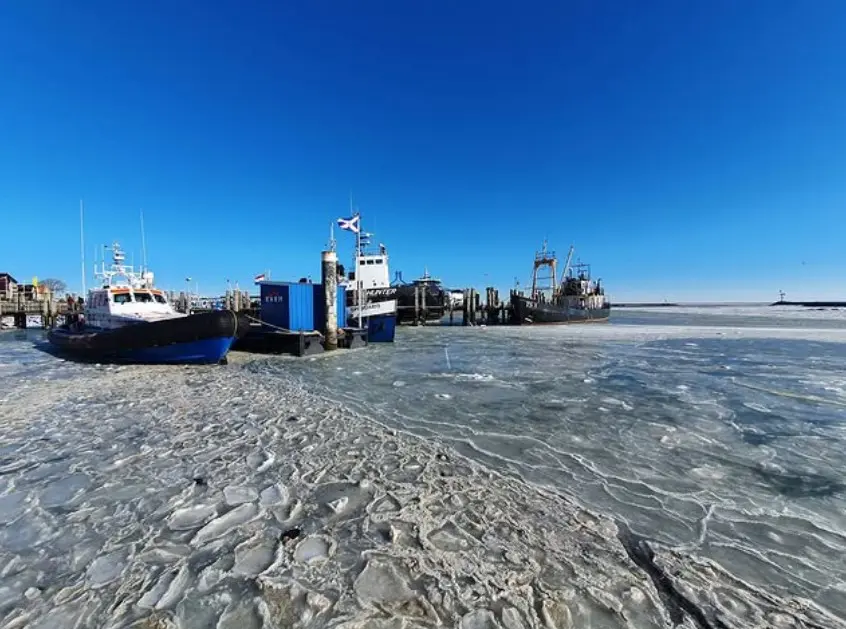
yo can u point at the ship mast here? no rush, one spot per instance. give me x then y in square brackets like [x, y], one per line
[359, 284]
[543, 258]
[567, 264]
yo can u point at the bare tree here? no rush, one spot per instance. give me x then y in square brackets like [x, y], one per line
[56, 286]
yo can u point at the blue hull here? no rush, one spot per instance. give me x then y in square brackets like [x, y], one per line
[198, 338]
[381, 328]
[207, 351]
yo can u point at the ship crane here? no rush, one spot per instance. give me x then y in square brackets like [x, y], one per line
[567, 263]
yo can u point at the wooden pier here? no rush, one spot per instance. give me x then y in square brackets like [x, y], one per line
[19, 309]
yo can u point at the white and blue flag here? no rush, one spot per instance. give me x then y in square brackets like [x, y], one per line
[350, 224]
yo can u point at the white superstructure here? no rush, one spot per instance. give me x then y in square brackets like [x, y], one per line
[124, 296]
[371, 293]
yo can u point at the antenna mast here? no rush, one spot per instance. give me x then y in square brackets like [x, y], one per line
[567, 264]
[143, 243]
[82, 244]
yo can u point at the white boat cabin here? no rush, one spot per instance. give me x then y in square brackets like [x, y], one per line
[133, 300]
[116, 306]
[372, 271]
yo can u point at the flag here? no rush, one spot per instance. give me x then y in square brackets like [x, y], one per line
[35, 281]
[259, 278]
[350, 224]
[187, 279]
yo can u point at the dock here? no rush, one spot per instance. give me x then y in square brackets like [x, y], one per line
[50, 311]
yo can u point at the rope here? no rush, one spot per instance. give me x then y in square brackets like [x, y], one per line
[276, 327]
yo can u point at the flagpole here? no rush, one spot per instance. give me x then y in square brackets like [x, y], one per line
[82, 246]
[357, 264]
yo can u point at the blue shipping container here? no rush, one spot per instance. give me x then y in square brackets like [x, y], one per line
[288, 305]
[319, 310]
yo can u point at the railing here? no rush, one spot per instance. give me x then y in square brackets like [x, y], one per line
[32, 307]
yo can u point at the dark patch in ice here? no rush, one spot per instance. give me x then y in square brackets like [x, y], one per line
[293, 418]
[198, 480]
[290, 534]
[676, 603]
[757, 438]
[799, 485]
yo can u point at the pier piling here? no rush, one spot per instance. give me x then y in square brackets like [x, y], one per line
[329, 274]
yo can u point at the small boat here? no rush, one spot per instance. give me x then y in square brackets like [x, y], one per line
[132, 321]
[371, 300]
[575, 299]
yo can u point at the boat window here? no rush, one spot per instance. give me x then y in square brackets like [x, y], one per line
[379, 261]
[143, 297]
[160, 299]
[122, 298]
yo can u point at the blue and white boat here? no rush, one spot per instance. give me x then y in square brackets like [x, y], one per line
[127, 319]
[371, 300]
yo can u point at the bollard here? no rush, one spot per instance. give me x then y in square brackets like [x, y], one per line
[329, 272]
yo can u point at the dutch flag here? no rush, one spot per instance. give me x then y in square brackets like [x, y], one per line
[259, 278]
[350, 224]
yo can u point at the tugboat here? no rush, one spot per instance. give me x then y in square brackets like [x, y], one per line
[575, 299]
[424, 299]
[131, 321]
[371, 300]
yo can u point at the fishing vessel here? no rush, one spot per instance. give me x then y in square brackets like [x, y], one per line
[371, 300]
[576, 298]
[127, 319]
[421, 300]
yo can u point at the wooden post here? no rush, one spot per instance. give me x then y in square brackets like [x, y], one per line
[329, 272]
[465, 308]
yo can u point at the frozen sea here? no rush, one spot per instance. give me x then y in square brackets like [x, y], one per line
[677, 467]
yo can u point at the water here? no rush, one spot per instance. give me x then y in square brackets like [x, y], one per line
[280, 492]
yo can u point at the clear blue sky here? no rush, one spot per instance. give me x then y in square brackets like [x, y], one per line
[690, 150]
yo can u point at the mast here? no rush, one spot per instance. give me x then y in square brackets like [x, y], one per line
[82, 245]
[567, 263]
[332, 236]
[543, 258]
[358, 281]
[143, 245]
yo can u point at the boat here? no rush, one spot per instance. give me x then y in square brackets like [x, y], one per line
[421, 300]
[576, 298]
[371, 300]
[126, 319]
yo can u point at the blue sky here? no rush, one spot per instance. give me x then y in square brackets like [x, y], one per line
[691, 150]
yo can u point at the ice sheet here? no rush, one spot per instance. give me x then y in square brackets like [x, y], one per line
[616, 476]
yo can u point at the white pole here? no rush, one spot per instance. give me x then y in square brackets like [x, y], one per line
[143, 244]
[358, 281]
[82, 244]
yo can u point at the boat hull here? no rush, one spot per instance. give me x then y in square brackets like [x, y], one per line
[381, 328]
[432, 304]
[195, 339]
[527, 311]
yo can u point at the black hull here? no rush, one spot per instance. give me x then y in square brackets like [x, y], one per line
[525, 311]
[203, 336]
[431, 307]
